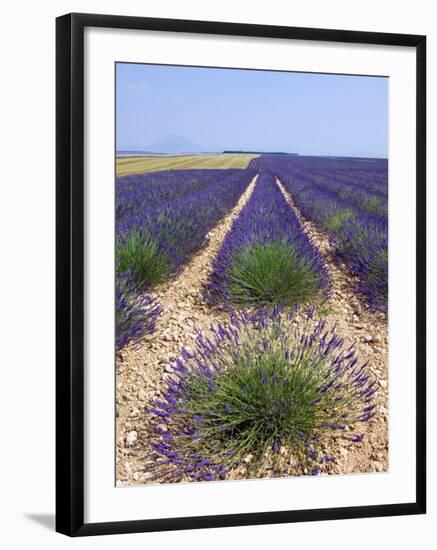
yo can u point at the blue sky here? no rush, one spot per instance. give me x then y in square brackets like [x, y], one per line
[305, 113]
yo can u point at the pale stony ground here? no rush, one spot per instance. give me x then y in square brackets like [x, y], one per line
[141, 369]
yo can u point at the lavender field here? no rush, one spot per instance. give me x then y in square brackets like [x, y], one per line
[251, 320]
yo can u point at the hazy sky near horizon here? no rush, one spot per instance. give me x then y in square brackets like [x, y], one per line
[305, 113]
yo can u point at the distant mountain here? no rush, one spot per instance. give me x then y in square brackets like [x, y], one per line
[171, 145]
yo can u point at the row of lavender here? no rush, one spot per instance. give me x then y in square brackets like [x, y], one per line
[376, 183]
[161, 221]
[364, 199]
[269, 393]
[367, 192]
[139, 192]
[266, 258]
[351, 208]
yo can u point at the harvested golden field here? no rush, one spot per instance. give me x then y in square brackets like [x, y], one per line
[134, 165]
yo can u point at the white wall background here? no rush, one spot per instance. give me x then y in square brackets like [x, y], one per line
[27, 122]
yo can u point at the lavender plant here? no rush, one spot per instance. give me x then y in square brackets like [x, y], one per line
[271, 391]
[135, 314]
[362, 244]
[266, 257]
[139, 254]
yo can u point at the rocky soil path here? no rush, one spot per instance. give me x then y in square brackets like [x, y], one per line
[369, 330]
[141, 369]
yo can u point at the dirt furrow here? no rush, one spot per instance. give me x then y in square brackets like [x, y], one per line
[368, 329]
[142, 368]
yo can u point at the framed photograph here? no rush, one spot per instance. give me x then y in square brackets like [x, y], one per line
[240, 274]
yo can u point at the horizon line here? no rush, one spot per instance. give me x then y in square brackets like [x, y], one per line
[248, 152]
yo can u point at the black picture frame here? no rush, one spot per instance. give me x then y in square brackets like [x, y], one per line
[70, 273]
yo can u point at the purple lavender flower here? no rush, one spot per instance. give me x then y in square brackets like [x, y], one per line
[136, 314]
[273, 400]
